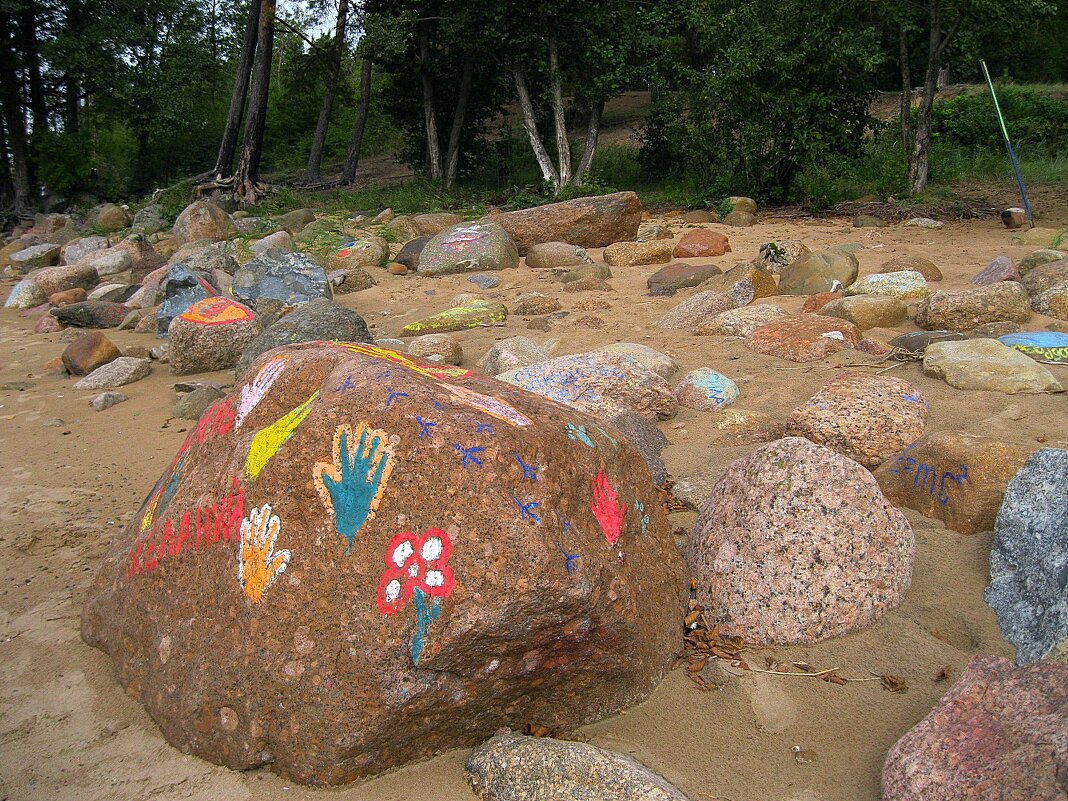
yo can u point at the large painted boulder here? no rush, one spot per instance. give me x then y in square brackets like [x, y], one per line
[467, 248]
[589, 222]
[357, 560]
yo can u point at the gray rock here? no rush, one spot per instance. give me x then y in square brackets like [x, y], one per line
[512, 354]
[917, 341]
[34, 256]
[192, 405]
[318, 319]
[279, 239]
[644, 435]
[350, 279]
[409, 254]
[123, 370]
[105, 400]
[469, 247]
[216, 257]
[484, 281]
[1037, 258]
[292, 278]
[510, 767]
[91, 314]
[661, 364]
[555, 255]
[1029, 560]
[110, 262]
[74, 252]
[149, 220]
[181, 289]
[826, 271]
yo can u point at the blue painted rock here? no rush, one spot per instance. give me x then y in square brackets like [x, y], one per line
[469, 247]
[1029, 561]
[291, 278]
[358, 560]
[706, 390]
[1045, 346]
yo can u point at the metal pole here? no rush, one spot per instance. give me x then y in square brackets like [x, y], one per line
[1008, 147]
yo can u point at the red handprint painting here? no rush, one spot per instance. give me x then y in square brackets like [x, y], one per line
[606, 508]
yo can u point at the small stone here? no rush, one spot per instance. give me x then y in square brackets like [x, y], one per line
[279, 239]
[697, 310]
[535, 303]
[588, 284]
[1000, 269]
[993, 330]
[109, 217]
[963, 311]
[105, 400]
[433, 224]
[554, 255]
[827, 271]
[370, 251]
[192, 405]
[119, 372]
[408, 256]
[924, 222]
[33, 257]
[813, 303]
[1037, 258]
[647, 232]
[779, 254]
[483, 281]
[590, 321]
[351, 279]
[294, 221]
[873, 347]
[446, 348]
[68, 296]
[917, 341]
[1053, 302]
[471, 315]
[904, 285]
[635, 254]
[741, 322]
[47, 325]
[867, 311]
[699, 216]
[1046, 276]
[87, 352]
[203, 219]
[744, 283]
[181, 288]
[1014, 218]
[110, 262]
[680, 275]
[805, 338]
[396, 268]
[740, 218]
[868, 221]
[986, 364]
[706, 390]
[91, 314]
[910, 263]
[742, 203]
[1050, 238]
[701, 243]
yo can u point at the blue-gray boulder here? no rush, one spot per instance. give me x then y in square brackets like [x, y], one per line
[292, 278]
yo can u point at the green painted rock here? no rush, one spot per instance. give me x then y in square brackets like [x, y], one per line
[479, 312]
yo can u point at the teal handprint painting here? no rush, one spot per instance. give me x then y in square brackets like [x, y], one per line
[351, 486]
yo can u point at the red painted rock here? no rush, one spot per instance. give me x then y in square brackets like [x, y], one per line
[88, 352]
[1000, 734]
[865, 417]
[805, 338]
[953, 477]
[358, 560]
[701, 243]
[816, 302]
[590, 222]
[796, 544]
[210, 335]
[67, 296]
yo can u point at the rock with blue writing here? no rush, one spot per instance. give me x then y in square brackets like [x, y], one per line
[954, 477]
[468, 247]
[1029, 561]
[598, 383]
[1043, 346]
[706, 390]
[291, 278]
[26, 294]
[865, 417]
[386, 558]
[469, 315]
[796, 544]
[987, 364]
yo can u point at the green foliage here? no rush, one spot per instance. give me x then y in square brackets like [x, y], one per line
[1037, 122]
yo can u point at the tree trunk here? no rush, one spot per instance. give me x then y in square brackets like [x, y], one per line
[315, 158]
[72, 89]
[7, 188]
[905, 107]
[593, 131]
[919, 161]
[353, 157]
[548, 171]
[452, 154]
[225, 159]
[429, 114]
[563, 146]
[247, 176]
[14, 121]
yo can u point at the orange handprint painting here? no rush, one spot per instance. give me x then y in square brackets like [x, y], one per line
[260, 564]
[606, 508]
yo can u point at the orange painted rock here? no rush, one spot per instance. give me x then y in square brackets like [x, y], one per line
[953, 477]
[805, 338]
[89, 351]
[700, 243]
[210, 335]
[358, 560]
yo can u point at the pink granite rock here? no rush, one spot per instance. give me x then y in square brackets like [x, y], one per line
[1000, 734]
[868, 418]
[796, 544]
[1001, 268]
[805, 338]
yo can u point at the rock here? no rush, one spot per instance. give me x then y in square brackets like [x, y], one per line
[826, 271]
[470, 315]
[679, 275]
[742, 203]
[917, 341]
[997, 734]
[355, 279]
[193, 405]
[796, 544]
[181, 288]
[588, 284]
[776, 256]
[805, 338]
[512, 354]
[1053, 302]
[585, 272]
[318, 319]
[91, 314]
[647, 232]
[383, 217]
[367, 252]
[706, 390]
[496, 587]
[210, 335]
[88, 352]
[484, 280]
[396, 268]
[109, 217]
[116, 373]
[105, 400]
[1000, 269]
[644, 435]
[598, 383]
[111, 262]
[293, 222]
[813, 303]
[1045, 346]
[744, 283]
[203, 219]
[993, 330]
[68, 296]
[211, 260]
[555, 255]
[905, 285]
[26, 294]
[661, 364]
[75, 251]
[590, 222]
[868, 221]
[434, 224]
[280, 240]
[468, 247]
[1051, 238]
[436, 347]
[510, 767]
[535, 303]
[1037, 258]
[292, 278]
[1029, 560]
[867, 311]
[47, 325]
[741, 322]
[1046, 276]
[986, 364]
[865, 417]
[699, 216]
[409, 254]
[740, 219]
[144, 257]
[1014, 218]
[33, 257]
[952, 476]
[910, 263]
[962, 311]
[701, 243]
[924, 222]
[149, 220]
[60, 279]
[635, 254]
[697, 310]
